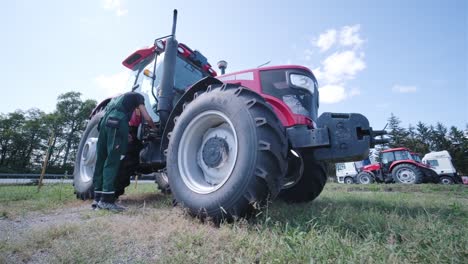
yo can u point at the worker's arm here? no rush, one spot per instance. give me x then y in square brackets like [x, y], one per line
[146, 116]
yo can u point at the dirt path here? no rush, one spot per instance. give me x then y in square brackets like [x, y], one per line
[78, 234]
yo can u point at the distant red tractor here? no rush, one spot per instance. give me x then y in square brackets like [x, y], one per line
[227, 144]
[397, 165]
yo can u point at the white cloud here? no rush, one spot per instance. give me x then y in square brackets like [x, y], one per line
[349, 36]
[342, 66]
[116, 6]
[113, 84]
[332, 93]
[318, 73]
[326, 40]
[308, 54]
[354, 92]
[404, 88]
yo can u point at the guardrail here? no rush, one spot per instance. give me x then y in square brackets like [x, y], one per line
[33, 176]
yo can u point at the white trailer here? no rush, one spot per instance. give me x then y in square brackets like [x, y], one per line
[345, 172]
[441, 163]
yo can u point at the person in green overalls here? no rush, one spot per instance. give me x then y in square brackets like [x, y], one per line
[112, 146]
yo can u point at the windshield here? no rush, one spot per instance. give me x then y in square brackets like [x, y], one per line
[185, 73]
[185, 76]
[416, 157]
[402, 155]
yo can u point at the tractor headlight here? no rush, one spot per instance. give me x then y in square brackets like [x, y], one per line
[302, 81]
[160, 45]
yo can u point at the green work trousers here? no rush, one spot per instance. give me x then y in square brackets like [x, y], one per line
[111, 146]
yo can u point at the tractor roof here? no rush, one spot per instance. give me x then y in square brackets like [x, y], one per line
[242, 75]
[395, 149]
[195, 57]
[437, 154]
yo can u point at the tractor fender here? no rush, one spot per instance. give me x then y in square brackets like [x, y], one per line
[201, 85]
[100, 106]
[429, 174]
[405, 161]
[371, 167]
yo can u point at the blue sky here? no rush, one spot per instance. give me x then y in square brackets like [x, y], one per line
[372, 57]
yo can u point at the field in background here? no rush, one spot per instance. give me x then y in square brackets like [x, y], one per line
[348, 223]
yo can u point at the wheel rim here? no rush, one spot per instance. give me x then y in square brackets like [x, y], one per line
[406, 175]
[207, 152]
[446, 181]
[88, 156]
[295, 169]
[164, 177]
[348, 181]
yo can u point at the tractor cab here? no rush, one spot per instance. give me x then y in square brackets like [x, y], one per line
[389, 156]
[416, 157]
[147, 66]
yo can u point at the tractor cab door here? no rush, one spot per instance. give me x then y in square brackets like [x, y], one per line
[387, 158]
[144, 86]
[185, 75]
[148, 92]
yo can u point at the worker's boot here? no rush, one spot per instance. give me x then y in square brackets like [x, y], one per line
[111, 206]
[97, 198]
[108, 202]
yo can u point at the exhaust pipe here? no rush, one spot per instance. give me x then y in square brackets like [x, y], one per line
[167, 79]
[222, 65]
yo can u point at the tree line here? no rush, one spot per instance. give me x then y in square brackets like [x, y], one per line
[423, 138]
[25, 136]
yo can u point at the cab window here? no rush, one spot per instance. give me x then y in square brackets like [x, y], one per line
[340, 166]
[387, 157]
[402, 155]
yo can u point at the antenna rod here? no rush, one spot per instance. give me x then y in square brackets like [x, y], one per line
[264, 64]
[174, 23]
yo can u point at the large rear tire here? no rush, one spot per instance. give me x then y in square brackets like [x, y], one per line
[309, 186]
[227, 153]
[86, 159]
[407, 174]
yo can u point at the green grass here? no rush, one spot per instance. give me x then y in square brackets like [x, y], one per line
[347, 224]
[17, 200]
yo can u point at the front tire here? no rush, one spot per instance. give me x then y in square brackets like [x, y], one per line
[309, 186]
[227, 153]
[365, 177]
[86, 159]
[348, 180]
[446, 180]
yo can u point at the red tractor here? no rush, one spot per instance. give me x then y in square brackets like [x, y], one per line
[225, 145]
[397, 165]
